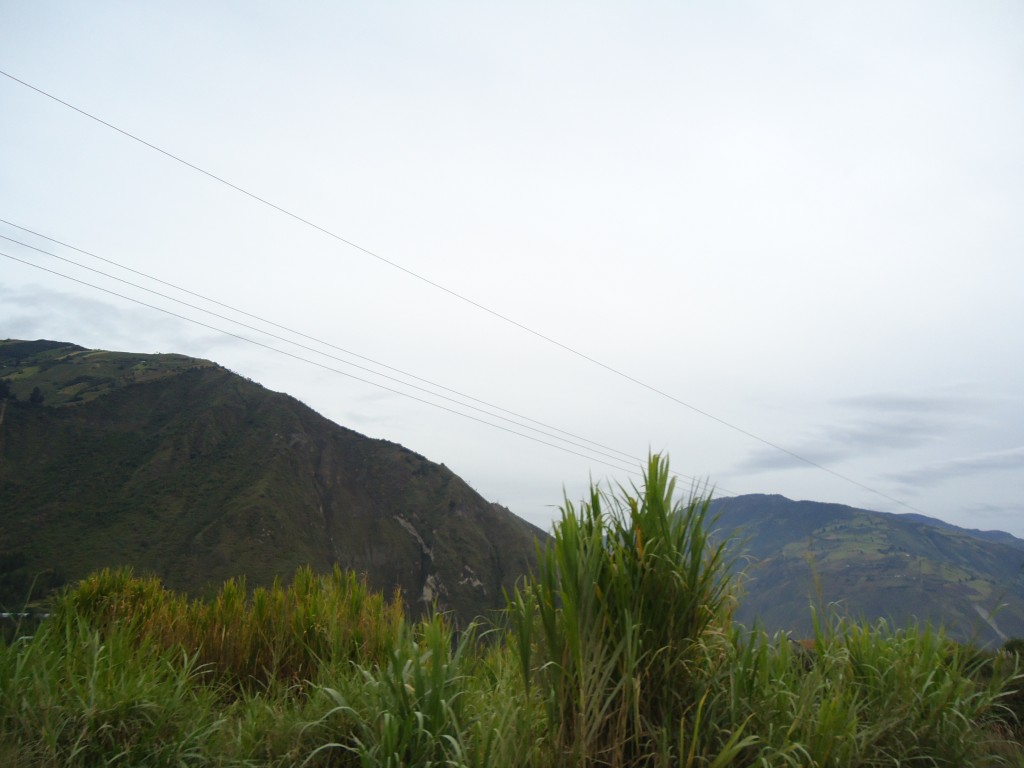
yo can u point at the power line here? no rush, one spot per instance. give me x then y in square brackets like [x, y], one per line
[627, 456]
[284, 328]
[325, 354]
[467, 300]
[631, 470]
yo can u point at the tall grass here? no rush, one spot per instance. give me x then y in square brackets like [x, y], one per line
[73, 696]
[280, 633]
[620, 650]
[865, 695]
[615, 626]
[406, 710]
[626, 634]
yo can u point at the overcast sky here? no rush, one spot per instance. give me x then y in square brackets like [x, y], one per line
[794, 223]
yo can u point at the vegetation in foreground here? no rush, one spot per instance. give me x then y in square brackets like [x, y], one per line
[619, 651]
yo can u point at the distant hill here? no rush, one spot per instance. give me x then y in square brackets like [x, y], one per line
[180, 468]
[873, 565]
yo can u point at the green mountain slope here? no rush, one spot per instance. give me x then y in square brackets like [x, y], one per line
[873, 565]
[178, 467]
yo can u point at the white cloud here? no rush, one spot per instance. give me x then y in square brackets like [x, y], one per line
[1011, 459]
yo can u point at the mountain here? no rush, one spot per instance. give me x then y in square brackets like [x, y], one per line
[872, 565]
[178, 467]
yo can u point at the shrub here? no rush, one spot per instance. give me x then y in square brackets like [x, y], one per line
[278, 633]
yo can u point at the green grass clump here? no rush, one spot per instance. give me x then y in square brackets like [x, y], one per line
[280, 633]
[406, 710]
[615, 626]
[73, 696]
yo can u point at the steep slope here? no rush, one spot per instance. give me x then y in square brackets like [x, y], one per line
[179, 467]
[872, 565]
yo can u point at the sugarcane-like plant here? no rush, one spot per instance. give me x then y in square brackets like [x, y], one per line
[616, 624]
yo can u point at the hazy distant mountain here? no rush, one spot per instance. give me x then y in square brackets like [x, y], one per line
[873, 565]
[179, 467]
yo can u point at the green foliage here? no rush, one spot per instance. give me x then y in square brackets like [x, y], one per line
[281, 634]
[863, 695]
[615, 626]
[72, 696]
[407, 710]
[504, 722]
[619, 651]
[1014, 645]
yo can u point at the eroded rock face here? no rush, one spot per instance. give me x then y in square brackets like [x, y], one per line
[471, 579]
[416, 535]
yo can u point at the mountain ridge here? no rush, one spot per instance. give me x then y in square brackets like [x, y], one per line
[990, 534]
[871, 565]
[176, 466]
[181, 468]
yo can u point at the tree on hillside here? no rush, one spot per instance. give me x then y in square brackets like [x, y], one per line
[5, 389]
[36, 398]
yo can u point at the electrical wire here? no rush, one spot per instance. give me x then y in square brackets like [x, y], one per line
[467, 300]
[634, 461]
[318, 352]
[289, 330]
[630, 470]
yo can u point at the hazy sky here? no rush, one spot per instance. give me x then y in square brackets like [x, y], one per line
[805, 220]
